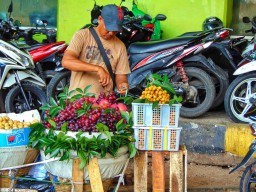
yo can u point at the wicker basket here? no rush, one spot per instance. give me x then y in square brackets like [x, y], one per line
[30, 158]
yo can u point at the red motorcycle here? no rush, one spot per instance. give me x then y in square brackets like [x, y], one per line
[47, 58]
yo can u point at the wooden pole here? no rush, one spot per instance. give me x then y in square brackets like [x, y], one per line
[176, 171]
[158, 178]
[141, 172]
[77, 175]
[95, 176]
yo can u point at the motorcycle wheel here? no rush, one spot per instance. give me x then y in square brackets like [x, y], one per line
[203, 83]
[49, 74]
[57, 84]
[248, 180]
[15, 102]
[240, 98]
[221, 85]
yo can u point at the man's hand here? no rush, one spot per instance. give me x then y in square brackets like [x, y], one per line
[122, 88]
[104, 76]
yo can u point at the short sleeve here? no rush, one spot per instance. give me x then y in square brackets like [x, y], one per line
[123, 66]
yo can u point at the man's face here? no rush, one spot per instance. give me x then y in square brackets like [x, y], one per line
[104, 33]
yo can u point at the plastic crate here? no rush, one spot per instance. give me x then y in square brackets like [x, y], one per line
[161, 116]
[157, 138]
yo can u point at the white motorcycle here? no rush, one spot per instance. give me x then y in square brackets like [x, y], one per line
[20, 88]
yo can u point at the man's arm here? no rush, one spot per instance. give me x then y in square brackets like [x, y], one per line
[70, 61]
[121, 83]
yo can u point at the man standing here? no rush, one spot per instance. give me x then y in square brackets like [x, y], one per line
[84, 59]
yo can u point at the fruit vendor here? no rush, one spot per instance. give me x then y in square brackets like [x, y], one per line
[84, 59]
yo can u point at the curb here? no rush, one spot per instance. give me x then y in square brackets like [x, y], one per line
[215, 133]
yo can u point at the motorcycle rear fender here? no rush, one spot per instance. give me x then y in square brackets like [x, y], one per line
[202, 61]
[248, 156]
[27, 76]
[249, 67]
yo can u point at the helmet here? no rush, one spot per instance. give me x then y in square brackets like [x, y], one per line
[211, 23]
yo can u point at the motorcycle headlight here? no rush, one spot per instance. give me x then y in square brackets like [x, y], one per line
[17, 55]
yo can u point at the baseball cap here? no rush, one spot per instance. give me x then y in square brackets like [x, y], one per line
[113, 17]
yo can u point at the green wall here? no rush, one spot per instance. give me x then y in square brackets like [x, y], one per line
[182, 15]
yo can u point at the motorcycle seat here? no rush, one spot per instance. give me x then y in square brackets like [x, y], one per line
[155, 46]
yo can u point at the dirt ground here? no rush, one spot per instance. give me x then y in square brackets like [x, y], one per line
[204, 173]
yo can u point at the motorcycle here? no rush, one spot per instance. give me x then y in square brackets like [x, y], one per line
[240, 96]
[46, 56]
[20, 88]
[178, 59]
[248, 179]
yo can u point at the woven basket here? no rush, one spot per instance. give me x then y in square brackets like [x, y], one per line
[30, 158]
[62, 187]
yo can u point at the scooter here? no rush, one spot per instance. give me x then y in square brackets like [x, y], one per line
[20, 88]
[240, 97]
[178, 59]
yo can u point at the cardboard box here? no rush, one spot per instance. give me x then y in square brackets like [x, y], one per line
[17, 137]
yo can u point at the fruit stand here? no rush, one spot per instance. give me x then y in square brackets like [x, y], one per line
[14, 137]
[84, 132]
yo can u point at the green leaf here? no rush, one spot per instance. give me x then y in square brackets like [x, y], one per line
[53, 124]
[64, 127]
[80, 112]
[45, 107]
[101, 127]
[54, 111]
[62, 95]
[87, 88]
[125, 115]
[52, 101]
[81, 155]
[71, 93]
[55, 153]
[132, 150]
[76, 97]
[65, 155]
[155, 104]
[165, 79]
[62, 104]
[90, 94]
[157, 83]
[139, 101]
[79, 90]
[108, 135]
[169, 88]
[155, 76]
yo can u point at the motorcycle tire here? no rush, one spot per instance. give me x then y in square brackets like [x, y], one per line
[15, 102]
[57, 84]
[221, 85]
[49, 74]
[198, 78]
[236, 98]
[248, 178]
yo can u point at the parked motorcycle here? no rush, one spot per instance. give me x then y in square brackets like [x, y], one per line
[20, 88]
[240, 96]
[46, 56]
[178, 58]
[248, 179]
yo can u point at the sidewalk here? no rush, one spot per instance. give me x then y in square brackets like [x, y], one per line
[215, 133]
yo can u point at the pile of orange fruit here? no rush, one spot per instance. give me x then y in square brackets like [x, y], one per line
[154, 93]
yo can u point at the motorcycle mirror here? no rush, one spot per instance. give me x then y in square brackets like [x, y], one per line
[246, 20]
[17, 23]
[39, 22]
[147, 17]
[161, 17]
[45, 23]
[10, 8]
